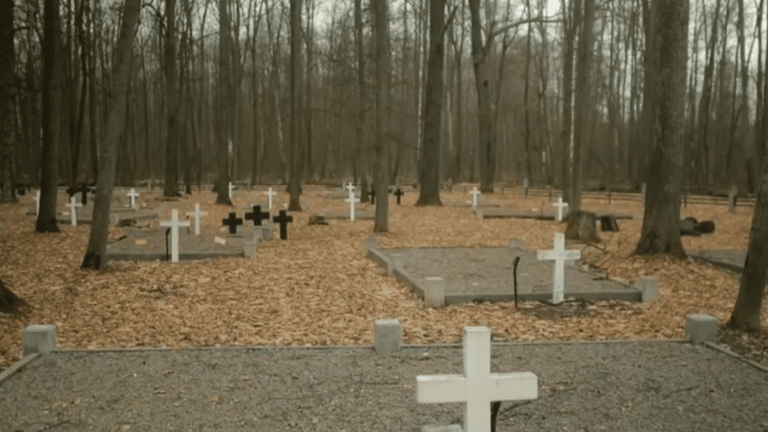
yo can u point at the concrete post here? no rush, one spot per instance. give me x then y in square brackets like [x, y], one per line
[387, 335]
[38, 339]
[701, 328]
[649, 289]
[434, 292]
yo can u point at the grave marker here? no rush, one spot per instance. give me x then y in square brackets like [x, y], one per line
[232, 222]
[133, 195]
[84, 189]
[559, 255]
[560, 204]
[477, 387]
[283, 220]
[398, 193]
[525, 187]
[71, 191]
[474, 194]
[231, 187]
[352, 200]
[37, 203]
[73, 205]
[174, 224]
[270, 194]
[257, 216]
[197, 214]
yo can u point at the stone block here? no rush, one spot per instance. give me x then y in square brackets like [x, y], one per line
[250, 249]
[515, 244]
[434, 292]
[701, 328]
[387, 335]
[370, 243]
[39, 339]
[396, 260]
[266, 231]
[649, 289]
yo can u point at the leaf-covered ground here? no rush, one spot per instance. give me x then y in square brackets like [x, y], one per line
[318, 288]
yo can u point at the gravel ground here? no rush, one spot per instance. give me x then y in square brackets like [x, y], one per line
[633, 386]
[490, 270]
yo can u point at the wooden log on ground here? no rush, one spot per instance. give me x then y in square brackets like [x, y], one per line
[608, 223]
[581, 226]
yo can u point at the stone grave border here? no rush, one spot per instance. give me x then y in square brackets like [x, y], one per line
[646, 291]
[503, 213]
[738, 269]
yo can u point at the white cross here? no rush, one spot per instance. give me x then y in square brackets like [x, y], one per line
[559, 255]
[478, 387]
[560, 204]
[73, 205]
[350, 187]
[37, 203]
[197, 215]
[270, 194]
[132, 196]
[352, 200]
[174, 223]
[474, 194]
[231, 186]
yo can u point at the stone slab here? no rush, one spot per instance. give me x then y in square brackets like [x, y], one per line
[191, 247]
[504, 213]
[344, 214]
[729, 259]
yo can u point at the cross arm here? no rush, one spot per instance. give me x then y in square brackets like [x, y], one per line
[513, 386]
[441, 388]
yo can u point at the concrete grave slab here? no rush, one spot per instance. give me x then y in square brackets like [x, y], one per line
[505, 213]
[150, 245]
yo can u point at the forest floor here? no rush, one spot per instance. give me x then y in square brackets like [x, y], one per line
[318, 288]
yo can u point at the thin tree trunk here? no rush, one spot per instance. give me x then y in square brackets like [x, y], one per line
[95, 255]
[224, 113]
[7, 102]
[170, 185]
[486, 129]
[296, 107]
[381, 165]
[567, 163]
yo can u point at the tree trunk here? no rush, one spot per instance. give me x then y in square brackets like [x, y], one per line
[171, 183]
[581, 226]
[296, 107]
[46, 220]
[661, 231]
[7, 102]
[433, 108]
[566, 162]
[486, 130]
[381, 165]
[360, 152]
[95, 255]
[224, 113]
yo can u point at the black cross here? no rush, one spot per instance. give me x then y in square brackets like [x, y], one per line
[71, 191]
[398, 193]
[232, 222]
[283, 220]
[84, 189]
[257, 216]
[373, 196]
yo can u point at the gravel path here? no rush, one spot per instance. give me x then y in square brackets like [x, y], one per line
[633, 386]
[490, 270]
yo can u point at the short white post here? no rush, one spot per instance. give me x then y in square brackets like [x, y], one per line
[560, 204]
[231, 187]
[174, 223]
[474, 194]
[477, 387]
[73, 205]
[37, 203]
[270, 194]
[133, 195]
[559, 255]
[643, 189]
[198, 215]
[352, 200]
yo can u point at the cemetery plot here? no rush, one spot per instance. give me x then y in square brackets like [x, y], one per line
[150, 245]
[505, 213]
[730, 259]
[641, 386]
[338, 214]
[486, 274]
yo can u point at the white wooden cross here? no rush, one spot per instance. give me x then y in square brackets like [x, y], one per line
[37, 203]
[197, 214]
[474, 194]
[132, 196]
[352, 200]
[477, 387]
[560, 204]
[559, 255]
[174, 223]
[73, 205]
[231, 186]
[270, 194]
[350, 187]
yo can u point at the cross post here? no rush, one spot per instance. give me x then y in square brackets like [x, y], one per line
[352, 200]
[398, 193]
[197, 214]
[84, 189]
[474, 194]
[231, 187]
[73, 205]
[174, 224]
[559, 255]
[133, 195]
[283, 220]
[560, 204]
[270, 194]
[37, 203]
[477, 387]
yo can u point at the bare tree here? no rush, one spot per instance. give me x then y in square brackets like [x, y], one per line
[171, 183]
[224, 113]
[661, 230]
[433, 108]
[97, 241]
[46, 220]
[7, 102]
[296, 89]
[381, 164]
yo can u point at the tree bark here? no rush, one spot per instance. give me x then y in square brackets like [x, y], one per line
[224, 113]
[486, 130]
[381, 165]
[296, 107]
[566, 163]
[7, 102]
[171, 182]
[661, 232]
[433, 108]
[95, 255]
[46, 220]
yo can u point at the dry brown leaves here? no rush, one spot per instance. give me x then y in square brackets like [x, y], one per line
[318, 288]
